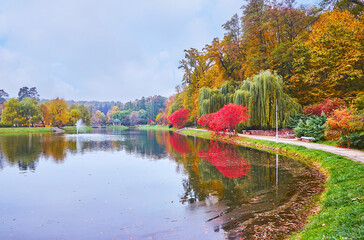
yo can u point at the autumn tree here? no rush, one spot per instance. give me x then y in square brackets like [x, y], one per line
[226, 119]
[287, 23]
[179, 118]
[162, 119]
[256, 39]
[195, 65]
[30, 110]
[79, 111]
[58, 109]
[331, 61]
[46, 118]
[11, 113]
[134, 118]
[98, 118]
[21, 112]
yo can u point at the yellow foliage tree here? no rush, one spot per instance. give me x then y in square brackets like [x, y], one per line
[332, 58]
[58, 109]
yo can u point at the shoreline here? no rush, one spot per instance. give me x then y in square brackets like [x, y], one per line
[336, 212]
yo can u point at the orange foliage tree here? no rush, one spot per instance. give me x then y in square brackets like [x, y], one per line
[343, 122]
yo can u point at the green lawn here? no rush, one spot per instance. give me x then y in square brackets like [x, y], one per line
[156, 128]
[341, 205]
[117, 127]
[26, 130]
[73, 129]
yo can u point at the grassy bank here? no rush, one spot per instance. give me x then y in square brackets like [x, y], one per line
[156, 128]
[117, 127]
[341, 206]
[73, 129]
[25, 130]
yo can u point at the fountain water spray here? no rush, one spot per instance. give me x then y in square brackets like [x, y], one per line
[79, 124]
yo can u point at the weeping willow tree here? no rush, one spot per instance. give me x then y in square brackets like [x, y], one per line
[259, 94]
[211, 100]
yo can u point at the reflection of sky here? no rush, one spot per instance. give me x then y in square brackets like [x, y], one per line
[112, 184]
[104, 50]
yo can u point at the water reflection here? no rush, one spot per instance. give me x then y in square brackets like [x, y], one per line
[235, 184]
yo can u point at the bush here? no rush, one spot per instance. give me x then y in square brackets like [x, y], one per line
[327, 107]
[344, 122]
[355, 140]
[240, 128]
[226, 119]
[314, 127]
[293, 121]
[179, 118]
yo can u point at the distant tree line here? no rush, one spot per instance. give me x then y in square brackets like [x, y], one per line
[29, 110]
[134, 112]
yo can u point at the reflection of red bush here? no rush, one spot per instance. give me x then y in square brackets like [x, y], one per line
[228, 161]
[179, 144]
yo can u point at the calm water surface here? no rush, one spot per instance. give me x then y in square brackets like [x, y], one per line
[138, 184]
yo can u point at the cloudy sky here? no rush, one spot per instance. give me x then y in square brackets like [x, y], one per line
[103, 50]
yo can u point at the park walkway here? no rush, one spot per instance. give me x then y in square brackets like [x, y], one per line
[353, 154]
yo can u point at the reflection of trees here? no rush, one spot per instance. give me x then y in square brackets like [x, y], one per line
[54, 147]
[143, 143]
[179, 143]
[226, 159]
[21, 150]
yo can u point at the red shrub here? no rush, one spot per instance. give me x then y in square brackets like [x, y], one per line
[328, 107]
[179, 118]
[205, 120]
[150, 122]
[228, 117]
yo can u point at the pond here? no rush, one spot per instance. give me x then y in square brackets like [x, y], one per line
[138, 184]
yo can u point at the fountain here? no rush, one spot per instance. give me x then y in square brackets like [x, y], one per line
[79, 124]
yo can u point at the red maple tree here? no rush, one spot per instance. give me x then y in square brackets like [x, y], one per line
[179, 118]
[226, 119]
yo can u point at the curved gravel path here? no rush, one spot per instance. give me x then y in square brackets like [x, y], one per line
[353, 154]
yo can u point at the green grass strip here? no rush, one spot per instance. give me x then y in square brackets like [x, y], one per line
[340, 207]
[156, 128]
[73, 129]
[117, 127]
[17, 130]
